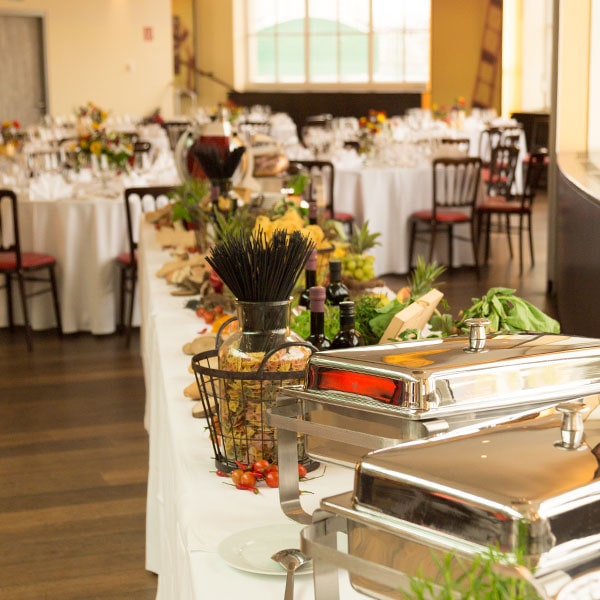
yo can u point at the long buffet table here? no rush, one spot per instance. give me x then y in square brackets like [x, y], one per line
[190, 510]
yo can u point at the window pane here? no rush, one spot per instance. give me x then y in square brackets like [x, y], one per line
[323, 58]
[291, 59]
[417, 57]
[262, 68]
[290, 16]
[323, 16]
[354, 58]
[388, 58]
[339, 35]
[261, 14]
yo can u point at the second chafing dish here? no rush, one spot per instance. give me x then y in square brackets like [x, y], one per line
[362, 399]
[530, 490]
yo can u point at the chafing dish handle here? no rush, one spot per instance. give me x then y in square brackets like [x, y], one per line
[319, 541]
[289, 488]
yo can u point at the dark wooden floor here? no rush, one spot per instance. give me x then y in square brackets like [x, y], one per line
[73, 469]
[73, 450]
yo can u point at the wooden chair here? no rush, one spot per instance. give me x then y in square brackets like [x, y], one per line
[463, 144]
[23, 267]
[141, 154]
[456, 183]
[138, 200]
[506, 206]
[326, 170]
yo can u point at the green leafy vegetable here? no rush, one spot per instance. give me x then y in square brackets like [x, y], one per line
[508, 313]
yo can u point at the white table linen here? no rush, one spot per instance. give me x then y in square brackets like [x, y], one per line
[386, 197]
[85, 230]
[189, 509]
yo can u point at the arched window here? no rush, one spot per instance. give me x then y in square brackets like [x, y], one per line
[360, 44]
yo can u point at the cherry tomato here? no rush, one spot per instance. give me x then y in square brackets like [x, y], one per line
[272, 479]
[301, 471]
[248, 479]
[236, 476]
[261, 466]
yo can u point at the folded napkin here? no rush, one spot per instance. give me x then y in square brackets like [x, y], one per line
[49, 186]
[347, 159]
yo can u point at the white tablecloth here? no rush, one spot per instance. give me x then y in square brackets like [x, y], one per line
[190, 510]
[385, 197]
[85, 232]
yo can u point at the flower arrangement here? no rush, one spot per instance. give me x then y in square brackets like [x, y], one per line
[460, 103]
[118, 151]
[92, 115]
[10, 131]
[10, 138]
[450, 114]
[369, 127]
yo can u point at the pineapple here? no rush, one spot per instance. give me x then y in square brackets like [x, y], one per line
[356, 263]
[420, 281]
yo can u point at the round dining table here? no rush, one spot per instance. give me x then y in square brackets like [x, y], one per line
[83, 225]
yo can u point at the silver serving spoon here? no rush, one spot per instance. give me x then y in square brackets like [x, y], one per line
[290, 559]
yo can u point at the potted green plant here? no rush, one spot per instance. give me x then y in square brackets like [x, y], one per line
[193, 207]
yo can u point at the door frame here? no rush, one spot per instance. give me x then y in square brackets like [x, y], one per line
[44, 59]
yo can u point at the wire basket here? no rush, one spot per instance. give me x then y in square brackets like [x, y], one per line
[235, 407]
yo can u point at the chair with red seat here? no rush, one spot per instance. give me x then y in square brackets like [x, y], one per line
[500, 202]
[456, 183]
[326, 171]
[24, 267]
[138, 200]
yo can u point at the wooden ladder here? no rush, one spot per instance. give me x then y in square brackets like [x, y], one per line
[490, 57]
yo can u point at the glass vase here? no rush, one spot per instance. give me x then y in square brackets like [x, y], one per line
[263, 355]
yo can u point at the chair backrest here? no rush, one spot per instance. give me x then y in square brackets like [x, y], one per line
[536, 168]
[141, 154]
[323, 171]
[460, 143]
[503, 168]
[456, 182]
[9, 224]
[139, 200]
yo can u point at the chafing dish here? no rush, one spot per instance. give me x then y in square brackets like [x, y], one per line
[529, 490]
[362, 399]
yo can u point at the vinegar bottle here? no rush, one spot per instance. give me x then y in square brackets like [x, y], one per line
[310, 274]
[317, 335]
[348, 336]
[336, 291]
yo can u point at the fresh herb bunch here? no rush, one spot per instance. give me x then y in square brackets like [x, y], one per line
[192, 202]
[480, 579]
[507, 313]
[300, 323]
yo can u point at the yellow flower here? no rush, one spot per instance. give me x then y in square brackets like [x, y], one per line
[96, 147]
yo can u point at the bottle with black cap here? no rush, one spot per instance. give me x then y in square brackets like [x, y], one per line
[310, 274]
[336, 290]
[317, 335]
[348, 336]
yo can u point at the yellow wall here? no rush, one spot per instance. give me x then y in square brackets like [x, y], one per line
[96, 52]
[456, 28]
[573, 77]
[215, 48]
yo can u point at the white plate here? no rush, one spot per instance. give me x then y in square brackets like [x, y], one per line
[251, 549]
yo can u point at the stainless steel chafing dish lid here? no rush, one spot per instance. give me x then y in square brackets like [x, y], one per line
[532, 486]
[445, 376]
